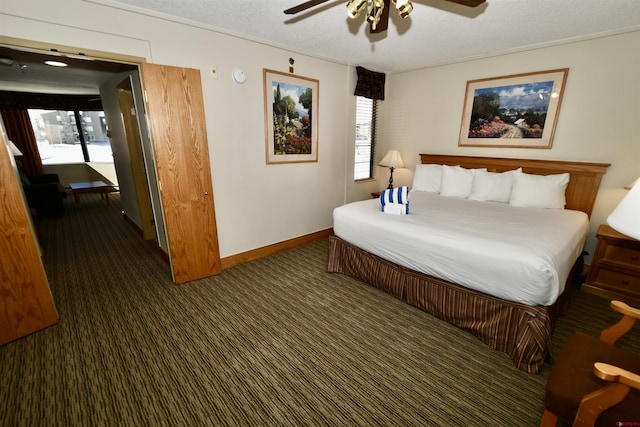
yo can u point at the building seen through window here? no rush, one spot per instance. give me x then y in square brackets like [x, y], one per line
[71, 136]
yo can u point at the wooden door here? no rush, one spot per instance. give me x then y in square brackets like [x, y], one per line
[175, 110]
[26, 303]
[128, 111]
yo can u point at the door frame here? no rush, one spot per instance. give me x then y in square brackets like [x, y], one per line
[129, 115]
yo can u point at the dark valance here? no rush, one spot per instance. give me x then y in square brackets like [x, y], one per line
[370, 84]
[49, 101]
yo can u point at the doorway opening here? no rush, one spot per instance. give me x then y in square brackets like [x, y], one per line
[73, 111]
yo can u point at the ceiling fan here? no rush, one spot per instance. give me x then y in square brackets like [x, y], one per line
[378, 10]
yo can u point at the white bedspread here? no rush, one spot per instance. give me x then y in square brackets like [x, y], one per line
[517, 254]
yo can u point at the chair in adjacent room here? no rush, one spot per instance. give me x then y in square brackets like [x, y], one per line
[44, 193]
[594, 382]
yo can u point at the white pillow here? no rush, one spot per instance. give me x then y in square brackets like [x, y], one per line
[427, 178]
[492, 186]
[539, 191]
[456, 181]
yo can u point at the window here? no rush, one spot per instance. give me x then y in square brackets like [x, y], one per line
[365, 137]
[59, 140]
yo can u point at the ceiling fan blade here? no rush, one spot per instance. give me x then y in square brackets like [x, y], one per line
[304, 6]
[384, 20]
[470, 3]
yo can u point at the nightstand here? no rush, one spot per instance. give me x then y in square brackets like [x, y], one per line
[615, 267]
[376, 194]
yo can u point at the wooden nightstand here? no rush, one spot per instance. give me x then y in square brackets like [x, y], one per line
[376, 194]
[615, 267]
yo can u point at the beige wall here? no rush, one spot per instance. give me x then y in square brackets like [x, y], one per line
[76, 172]
[256, 204]
[259, 204]
[598, 119]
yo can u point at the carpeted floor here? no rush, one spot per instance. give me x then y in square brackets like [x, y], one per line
[277, 341]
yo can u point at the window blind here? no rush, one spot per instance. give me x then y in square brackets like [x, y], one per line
[366, 112]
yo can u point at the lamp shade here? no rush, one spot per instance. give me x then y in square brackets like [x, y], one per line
[14, 150]
[625, 218]
[392, 160]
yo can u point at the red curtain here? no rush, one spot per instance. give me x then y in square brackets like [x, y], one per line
[19, 130]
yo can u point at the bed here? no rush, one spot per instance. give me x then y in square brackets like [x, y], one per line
[510, 305]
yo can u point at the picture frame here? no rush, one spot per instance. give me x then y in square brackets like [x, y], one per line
[290, 117]
[519, 110]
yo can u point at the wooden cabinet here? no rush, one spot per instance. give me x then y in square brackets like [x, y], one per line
[615, 267]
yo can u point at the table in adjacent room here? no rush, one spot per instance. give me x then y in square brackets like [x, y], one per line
[90, 187]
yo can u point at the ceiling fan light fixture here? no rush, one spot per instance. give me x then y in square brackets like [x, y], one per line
[355, 7]
[404, 7]
[375, 12]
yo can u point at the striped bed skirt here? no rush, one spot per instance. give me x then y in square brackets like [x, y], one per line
[522, 331]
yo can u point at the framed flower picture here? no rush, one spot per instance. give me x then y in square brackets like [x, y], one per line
[291, 117]
[520, 110]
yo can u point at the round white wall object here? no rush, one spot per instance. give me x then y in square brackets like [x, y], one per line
[238, 75]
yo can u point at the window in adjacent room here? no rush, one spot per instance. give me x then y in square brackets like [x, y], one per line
[71, 136]
[365, 137]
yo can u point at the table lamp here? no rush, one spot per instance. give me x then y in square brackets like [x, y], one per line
[625, 218]
[392, 160]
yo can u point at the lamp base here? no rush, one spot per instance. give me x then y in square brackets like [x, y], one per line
[390, 186]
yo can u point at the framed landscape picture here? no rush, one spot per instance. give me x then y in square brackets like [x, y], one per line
[291, 117]
[520, 110]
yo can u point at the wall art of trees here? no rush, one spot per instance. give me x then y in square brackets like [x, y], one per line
[292, 119]
[518, 111]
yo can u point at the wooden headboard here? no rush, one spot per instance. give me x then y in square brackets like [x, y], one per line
[583, 183]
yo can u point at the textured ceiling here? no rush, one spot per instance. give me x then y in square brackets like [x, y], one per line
[437, 32]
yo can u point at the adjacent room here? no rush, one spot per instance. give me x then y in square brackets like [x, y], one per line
[332, 212]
